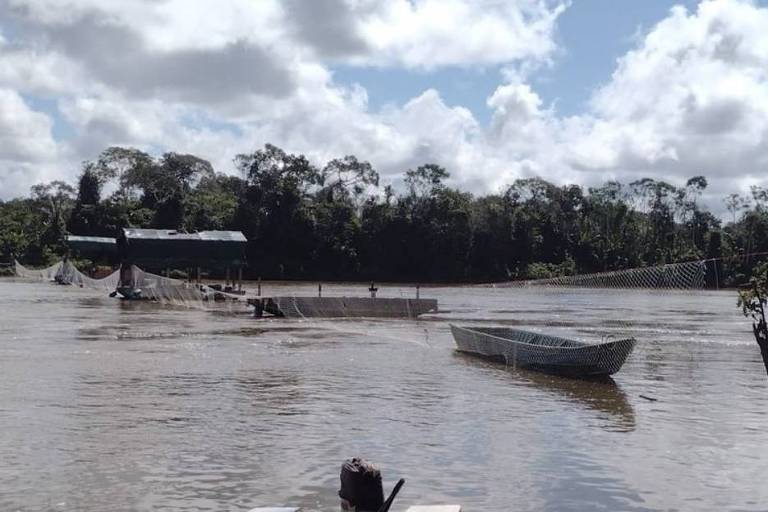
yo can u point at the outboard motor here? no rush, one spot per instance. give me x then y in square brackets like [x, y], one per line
[361, 489]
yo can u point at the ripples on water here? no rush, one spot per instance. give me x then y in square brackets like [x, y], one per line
[109, 405]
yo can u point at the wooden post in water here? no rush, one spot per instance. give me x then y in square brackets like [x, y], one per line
[258, 289]
[226, 278]
[417, 291]
[239, 279]
[319, 289]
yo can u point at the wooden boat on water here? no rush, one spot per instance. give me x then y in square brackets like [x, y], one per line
[550, 354]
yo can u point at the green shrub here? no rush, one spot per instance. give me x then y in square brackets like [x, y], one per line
[178, 274]
[539, 270]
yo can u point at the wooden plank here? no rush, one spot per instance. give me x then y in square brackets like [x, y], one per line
[435, 508]
[415, 508]
[274, 509]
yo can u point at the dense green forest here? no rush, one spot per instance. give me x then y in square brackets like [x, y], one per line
[336, 222]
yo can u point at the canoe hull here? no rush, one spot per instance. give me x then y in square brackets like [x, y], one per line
[539, 352]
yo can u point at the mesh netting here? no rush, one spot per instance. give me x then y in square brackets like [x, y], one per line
[675, 276]
[540, 351]
[64, 272]
[43, 274]
[593, 320]
[352, 309]
[584, 324]
[347, 307]
[133, 283]
[139, 284]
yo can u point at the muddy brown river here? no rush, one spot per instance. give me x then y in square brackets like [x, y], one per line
[130, 406]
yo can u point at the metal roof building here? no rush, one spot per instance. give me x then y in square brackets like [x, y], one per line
[92, 245]
[164, 248]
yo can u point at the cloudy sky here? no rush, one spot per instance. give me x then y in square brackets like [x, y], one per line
[575, 91]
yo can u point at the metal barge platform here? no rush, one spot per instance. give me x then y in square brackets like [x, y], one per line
[342, 307]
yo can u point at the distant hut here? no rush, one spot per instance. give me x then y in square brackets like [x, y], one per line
[98, 249]
[92, 245]
[163, 249]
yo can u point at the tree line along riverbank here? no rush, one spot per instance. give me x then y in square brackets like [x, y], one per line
[336, 222]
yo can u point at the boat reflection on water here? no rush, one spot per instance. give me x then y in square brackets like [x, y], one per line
[602, 395]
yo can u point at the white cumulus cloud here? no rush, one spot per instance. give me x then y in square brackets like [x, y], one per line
[691, 99]
[27, 148]
[433, 33]
[218, 78]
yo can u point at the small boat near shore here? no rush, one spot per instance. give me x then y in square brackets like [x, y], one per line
[550, 354]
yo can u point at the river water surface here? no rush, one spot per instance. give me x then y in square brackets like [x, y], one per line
[120, 406]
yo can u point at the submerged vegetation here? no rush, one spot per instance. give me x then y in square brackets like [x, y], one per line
[335, 222]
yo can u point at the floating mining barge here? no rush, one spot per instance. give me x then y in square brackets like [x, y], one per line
[342, 307]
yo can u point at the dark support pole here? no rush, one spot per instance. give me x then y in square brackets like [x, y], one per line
[319, 289]
[125, 275]
[239, 279]
[760, 329]
[258, 289]
[198, 275]
[226, 279]
[417, 291]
